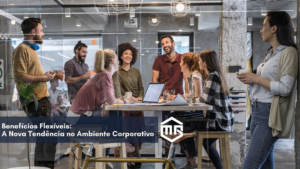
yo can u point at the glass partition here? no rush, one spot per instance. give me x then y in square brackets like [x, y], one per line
[66, 22]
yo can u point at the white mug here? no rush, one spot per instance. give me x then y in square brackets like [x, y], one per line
[243, 71]
[128, 95]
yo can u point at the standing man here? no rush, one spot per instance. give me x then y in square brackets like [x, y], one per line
[167, 67]
[76, 71]
[27, 68]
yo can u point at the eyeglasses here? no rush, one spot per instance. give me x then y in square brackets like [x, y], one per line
[170, 68]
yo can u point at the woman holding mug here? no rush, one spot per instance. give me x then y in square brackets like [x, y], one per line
[274, 91]
[128, 80]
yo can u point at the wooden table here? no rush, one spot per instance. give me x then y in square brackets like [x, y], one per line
[158, 113]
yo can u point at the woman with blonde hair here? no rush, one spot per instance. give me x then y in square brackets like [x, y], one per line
[98, 92]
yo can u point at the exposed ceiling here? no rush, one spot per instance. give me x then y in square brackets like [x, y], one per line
[93, 20]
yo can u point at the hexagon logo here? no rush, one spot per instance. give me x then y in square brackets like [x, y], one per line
[168, 129]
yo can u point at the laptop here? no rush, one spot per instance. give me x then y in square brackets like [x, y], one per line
[153, 92]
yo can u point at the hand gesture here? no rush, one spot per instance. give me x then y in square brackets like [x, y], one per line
[87, 75]
[49, 76]
[247, 78]
[104, 113]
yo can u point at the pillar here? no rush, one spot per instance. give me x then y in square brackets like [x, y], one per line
[233, 29]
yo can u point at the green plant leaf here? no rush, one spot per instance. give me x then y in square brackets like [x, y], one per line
[231, 89]
[36, 103]
[35, 85]
[26, 90]
[16, 80]
[24, 101]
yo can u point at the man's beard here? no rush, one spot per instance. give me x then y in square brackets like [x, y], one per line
[80, 58]
[171, 49]
[38, 40]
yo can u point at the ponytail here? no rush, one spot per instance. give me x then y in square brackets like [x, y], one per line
[102, 59]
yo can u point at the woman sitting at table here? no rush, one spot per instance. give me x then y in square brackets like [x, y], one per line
[98, 92]
[128, 79]
[215, 93]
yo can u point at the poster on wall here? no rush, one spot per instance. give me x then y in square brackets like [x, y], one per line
[1, 74]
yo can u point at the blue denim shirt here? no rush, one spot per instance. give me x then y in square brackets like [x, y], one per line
[268, 71]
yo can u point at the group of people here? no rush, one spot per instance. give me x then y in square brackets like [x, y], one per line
[272, 93]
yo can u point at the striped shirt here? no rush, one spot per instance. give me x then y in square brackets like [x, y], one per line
[213, 94]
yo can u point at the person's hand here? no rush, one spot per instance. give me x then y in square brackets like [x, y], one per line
[172, 97]
[60, 75]
[49, 76]
[87, 75]
[139, 99]
[248, 78]
[104, 113]
[130, 100]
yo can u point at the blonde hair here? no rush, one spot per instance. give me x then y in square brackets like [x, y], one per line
[102, 59]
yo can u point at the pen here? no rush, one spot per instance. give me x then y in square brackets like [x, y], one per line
[173, 91]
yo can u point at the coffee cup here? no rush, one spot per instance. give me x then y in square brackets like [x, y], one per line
[243, 71]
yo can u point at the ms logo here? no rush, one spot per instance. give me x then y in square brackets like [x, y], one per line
[169, 130]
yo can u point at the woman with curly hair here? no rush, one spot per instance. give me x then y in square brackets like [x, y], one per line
[128, 79]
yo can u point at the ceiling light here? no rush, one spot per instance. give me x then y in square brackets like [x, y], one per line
[154, 20]
[50, 38]
[67, 12]
[111, 0]
[142, 54]
[139, 30]
[250, 21]
[147, 51]
[192, 21]
[26, 16]
[134, 40]
[180, 30]
[13, 22]
[64, 55]
[55, 43]
[263, 10]
[78, 23]
[45, 58]
[180, 7]
[157, 42]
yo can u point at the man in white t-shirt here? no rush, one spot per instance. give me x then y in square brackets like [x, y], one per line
[53, 92]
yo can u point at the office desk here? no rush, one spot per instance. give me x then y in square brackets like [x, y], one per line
[158, 113]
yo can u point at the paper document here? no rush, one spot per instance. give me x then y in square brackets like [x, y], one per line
[178, 101]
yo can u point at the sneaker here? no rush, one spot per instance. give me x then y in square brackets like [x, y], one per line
[187, 162]
[129, 148]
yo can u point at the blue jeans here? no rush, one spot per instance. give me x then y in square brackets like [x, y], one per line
[261, 150]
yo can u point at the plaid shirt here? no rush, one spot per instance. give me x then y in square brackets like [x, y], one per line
[213, 94]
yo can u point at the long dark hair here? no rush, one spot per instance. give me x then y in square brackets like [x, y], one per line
[285, 27]
[213, 64]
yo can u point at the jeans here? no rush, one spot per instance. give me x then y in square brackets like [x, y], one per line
[44, 152]
[261, 150]
[190, 146]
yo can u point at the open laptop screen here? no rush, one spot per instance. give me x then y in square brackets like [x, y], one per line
[153, 92]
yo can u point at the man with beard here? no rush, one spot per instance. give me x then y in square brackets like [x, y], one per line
[28, 69]
[76, 71]
[167, 68]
